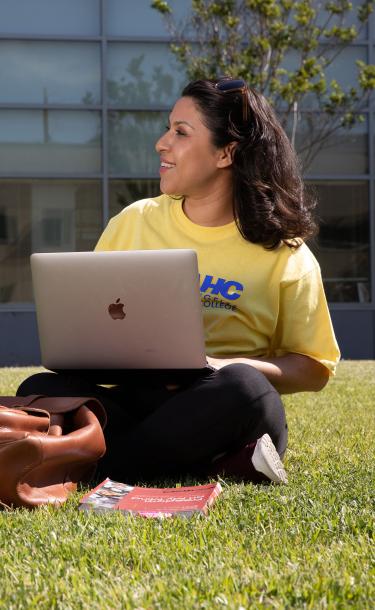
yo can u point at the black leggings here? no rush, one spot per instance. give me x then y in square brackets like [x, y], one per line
[158, 430]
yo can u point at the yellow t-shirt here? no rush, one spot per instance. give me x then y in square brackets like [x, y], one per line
[256, 302]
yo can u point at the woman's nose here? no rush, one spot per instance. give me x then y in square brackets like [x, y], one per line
[162, 143]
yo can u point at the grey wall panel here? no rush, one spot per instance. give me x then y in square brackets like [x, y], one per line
[355, 333]
[19, 345]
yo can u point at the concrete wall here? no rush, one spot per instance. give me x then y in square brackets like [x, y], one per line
[19, 345]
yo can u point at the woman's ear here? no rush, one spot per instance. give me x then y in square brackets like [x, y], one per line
[226, 155]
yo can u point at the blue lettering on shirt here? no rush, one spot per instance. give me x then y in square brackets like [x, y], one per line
[228, 289]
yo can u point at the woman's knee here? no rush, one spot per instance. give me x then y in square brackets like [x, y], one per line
[246, 381]
[50, 384]
[251, 392]
[253, 403]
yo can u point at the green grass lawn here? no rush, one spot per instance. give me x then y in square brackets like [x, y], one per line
[306, 545]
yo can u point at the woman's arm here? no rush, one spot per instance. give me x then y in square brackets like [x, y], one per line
[288, 374]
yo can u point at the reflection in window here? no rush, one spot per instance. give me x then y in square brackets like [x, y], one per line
[53, 209]
[342, 246]
[350, 19]
[52, 17]
[124, 192]
[49, 141]
[43, 215]
[41, 72]
[53, 230]
[343, 69]
[8, 226]
[344, 152]
[132, 138]
[141, 20]
[141, 75]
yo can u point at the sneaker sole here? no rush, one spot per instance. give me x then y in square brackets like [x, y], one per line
[266, 460]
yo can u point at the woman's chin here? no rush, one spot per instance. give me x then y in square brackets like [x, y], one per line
[170, 192]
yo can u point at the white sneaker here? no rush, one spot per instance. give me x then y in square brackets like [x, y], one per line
[266, 460]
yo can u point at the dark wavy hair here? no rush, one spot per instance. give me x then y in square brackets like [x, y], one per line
[271, 202]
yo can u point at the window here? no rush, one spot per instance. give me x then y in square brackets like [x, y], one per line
[132, 138]
[41, 72]
[58, 118]
[350, 20]
[52, 17]
[43, 215]
[140, 19]
[343, 247]
[143, 75]
[343, 69]
[124, 192]
[49, 141]
[345, 151]
[8, 226]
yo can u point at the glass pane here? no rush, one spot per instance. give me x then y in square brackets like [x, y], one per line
[343, 69]
[49, 72]
[49, 141]
[350, 20]
[141, 19]
[143, 75]
[124, 192]
[43, 216]
[343, 152]
[71, 17]
[132, 137]
[342, 247]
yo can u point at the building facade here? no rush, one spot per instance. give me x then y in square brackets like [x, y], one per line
[86, 86]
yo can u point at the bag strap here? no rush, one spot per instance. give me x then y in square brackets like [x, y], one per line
[30, 410]
[56, 404]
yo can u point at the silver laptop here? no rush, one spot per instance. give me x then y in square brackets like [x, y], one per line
[137, 309]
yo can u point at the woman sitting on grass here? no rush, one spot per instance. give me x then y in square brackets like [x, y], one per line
[232, 192]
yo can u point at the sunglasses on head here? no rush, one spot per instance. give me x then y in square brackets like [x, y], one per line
[236, 85]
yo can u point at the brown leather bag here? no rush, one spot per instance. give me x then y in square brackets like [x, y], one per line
[47, 445]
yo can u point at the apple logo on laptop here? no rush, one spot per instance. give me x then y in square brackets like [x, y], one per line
[116, 310]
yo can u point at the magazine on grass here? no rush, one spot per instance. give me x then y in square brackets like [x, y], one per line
[151, 501]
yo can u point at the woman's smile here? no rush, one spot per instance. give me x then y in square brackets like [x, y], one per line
[165, 166]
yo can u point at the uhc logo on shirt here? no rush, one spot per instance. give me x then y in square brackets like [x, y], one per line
[228, 289]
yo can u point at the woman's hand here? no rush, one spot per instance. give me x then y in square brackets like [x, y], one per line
[218, 363]
[288, 374]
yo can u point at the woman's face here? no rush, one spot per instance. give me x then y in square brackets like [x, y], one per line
[189, 162]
